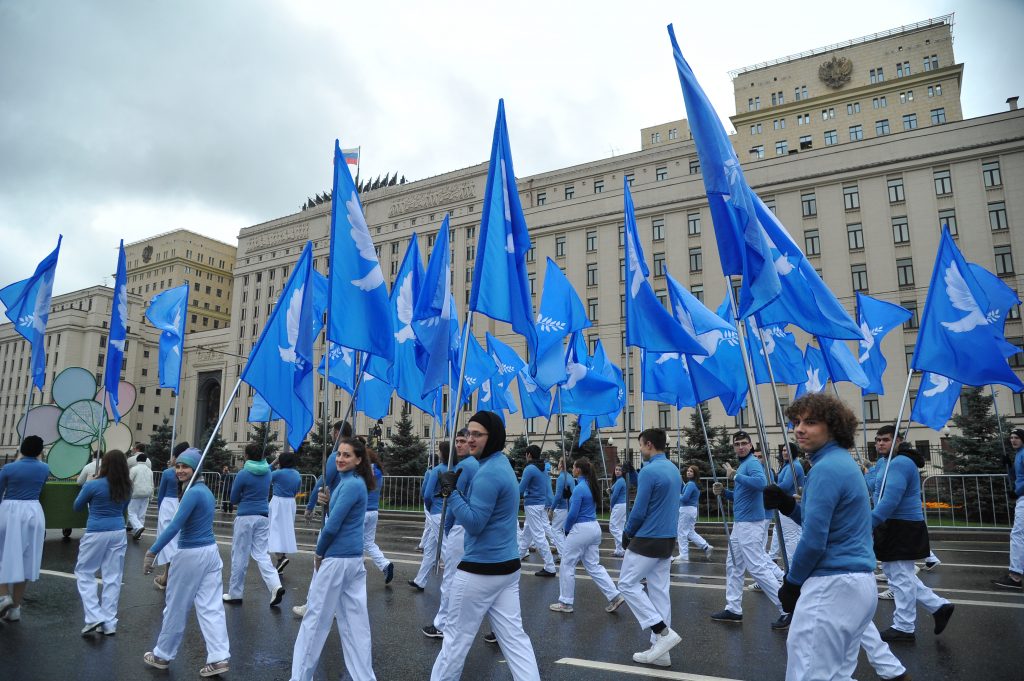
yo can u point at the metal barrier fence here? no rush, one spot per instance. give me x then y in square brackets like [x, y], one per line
[967, 501]
[220, 485]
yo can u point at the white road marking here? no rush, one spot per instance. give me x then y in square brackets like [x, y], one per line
[54, 573]
[648, 672]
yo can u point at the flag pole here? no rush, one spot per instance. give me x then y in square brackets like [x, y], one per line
[679, 433]
[628, 462]
[604, 464]
[561, 426]
[835, 388]
[864, 422]
[899, 419]
[28, 404]
[213, 433]
[999, 421]
[711, 457]
[174, 421]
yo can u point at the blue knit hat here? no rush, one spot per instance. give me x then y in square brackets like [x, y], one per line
[189, 457]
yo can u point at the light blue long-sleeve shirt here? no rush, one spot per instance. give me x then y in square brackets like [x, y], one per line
[489, 512]
[373, 496]
[342, 535]
[750, 481]
[1018, 471]
[168, 486]
[23, 480]
[193, 519]
[561, 482]
[901, 498]
[873, 475]
[251, 492]
[655, 512]
[618, 495]
[286, 482]
[535, 487]
[785, 478]
[105, 514]
[581, 506]
[432, 499]
[690, 494]
[469, 466]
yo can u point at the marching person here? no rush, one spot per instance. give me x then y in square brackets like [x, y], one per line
[582, 538]
[648, 539]
[251, 531]
[370, 547]
[487, 579]
[1012, 579]
[166, 506]
[829, 589]
[686, 532]
[559, 508]
[432, 503]
[901, 537]
[197, 573]
[338, 589]
[22, 525]
[285, 483]
[790, 530]
[617, 519]
[141, 476]
[747, 541]
[104, 544]
[535, 487]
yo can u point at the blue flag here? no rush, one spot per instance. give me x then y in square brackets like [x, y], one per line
[725, 362]
[742, 246]
[357, 289]
[280, 366]
[648, 324]
[406, 376]
[374, 396]
[118, 335]
[958, 337]
[28, 308]
[479, 368]
[786, 358]
[816, 376]
[599, 362]
[1001, 298]
[534, 400]
[842, 365]
[586, 391]
[876, 318]
[260, 411]
[803, 300]
[936, 398]
[431, 315]
[167, 311]
[494, 397]
[505, 358]
[343, 370]
[501, 289]
[561, 313]
[666, 378]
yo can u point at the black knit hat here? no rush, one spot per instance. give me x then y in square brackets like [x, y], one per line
[1019, 432]
[495, 429]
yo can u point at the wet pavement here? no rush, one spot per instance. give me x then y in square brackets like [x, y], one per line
[983, 640]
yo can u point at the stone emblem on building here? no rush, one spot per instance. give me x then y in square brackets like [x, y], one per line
[836, 72]
[147, 253]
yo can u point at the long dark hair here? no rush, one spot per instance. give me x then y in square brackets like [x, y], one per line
[363, 467]
[114, 467]
[587, 471]
[696, 474]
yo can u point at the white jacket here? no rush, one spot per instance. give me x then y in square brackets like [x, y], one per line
[142, 481]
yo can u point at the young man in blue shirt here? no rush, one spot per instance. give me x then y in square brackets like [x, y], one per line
[649, 538]
[432, 502]
[535, 488]
[1012, 579]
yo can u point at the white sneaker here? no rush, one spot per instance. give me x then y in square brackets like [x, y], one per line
[752, 587]
[886, 596]
[13, 615]
[880, 577]
[559, 606]
[666, 640]
[299, 610]
[708, 550]
[663, 661]
[614, 604]
[109, 629]
[6, 603]
[618, 554]
[930, 565]
[91, 627]
[681, 559]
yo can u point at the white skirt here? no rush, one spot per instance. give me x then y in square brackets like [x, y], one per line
[165, 514]
[282, 525]
[22, 532]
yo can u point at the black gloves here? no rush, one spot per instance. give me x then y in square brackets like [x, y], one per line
[788, 595]
[625, 540]
[567, 492]
[447, 481]
[776, 497]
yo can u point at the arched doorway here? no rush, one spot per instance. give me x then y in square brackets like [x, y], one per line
[207, 404]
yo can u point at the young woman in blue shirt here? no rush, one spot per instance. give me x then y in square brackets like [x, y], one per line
[617, 520]
[689, 496]
[166, 506]
[104, 543]
[22, 526]
[285, 482]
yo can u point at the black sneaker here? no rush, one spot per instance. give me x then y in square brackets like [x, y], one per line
[942, 616]
[782, 623]
[277, 596]
[414, 585]
[138, 533]
[389, 573]
[544, 573]
[726, 616]
[891, 635]
[489, 637]
[431, 631]
[282, 564]
[1007, 582]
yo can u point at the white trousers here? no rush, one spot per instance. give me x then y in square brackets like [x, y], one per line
[746, 554]
[533, 533]
[581, 545]
[453, 549]
[555, 530]
[103, 552]
[885, 664]
[616, 523]
[370, 547]
[654, 605]
[137, 512]
[791, 532]
[908, 591]
[1017, 539]
[685, 529]
[426, 528]
[337, 593]
[828, 626]
[433, 527]
[196, 579]
[249, 539]
[472, 597]
[164, 515]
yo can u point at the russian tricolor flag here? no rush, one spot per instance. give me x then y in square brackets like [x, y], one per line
[351, 156]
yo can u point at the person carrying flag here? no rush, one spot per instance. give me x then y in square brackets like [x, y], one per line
[559, 509]
[1012, 579]
[432, 503]
[166, 506]
[685, 532]
[285, 485]
[535, 487]
[617, 519]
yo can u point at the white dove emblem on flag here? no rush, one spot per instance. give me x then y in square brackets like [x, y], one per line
[961, 298]
[122, 311]
[814, 384]
[41, 309]
[292, 325]
[939, 384]
[405, 311]
[576, 373]
[360, 234]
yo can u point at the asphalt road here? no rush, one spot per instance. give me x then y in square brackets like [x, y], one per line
[983, 640]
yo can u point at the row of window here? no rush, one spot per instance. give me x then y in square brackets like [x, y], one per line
[856, 132]
[852, 108]
[660, 175]
[673, 134]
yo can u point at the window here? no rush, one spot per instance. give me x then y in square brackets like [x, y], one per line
[1018, 404]
[628, 178]
[803, 119]
[694, 166]
[570, 192]
[877, 75]
[598, 186]
[860, 277]
[831, 137]
[673, 133]
[743, 418]
[1016, 360]
[828, 113]
[662, 296]
[542, 198]
[900, 230]
[662, 172]
[855, 236]
[779, 124]
[559, 246]
[658, 229]
[659, 264]
[852, 108]
[907, 96]
[755, 129]
[696, 260]
[913, 322]
[938, 116]
[800, 93]
[943, 182]
[1004, 260]
[935, 90]
[622, 306]
[655, 137]
[531, 255]
[698, 292]
[871, 410]
[808, 205]
[851, 197]
[997, 216]
[909, 121]
[1014, 312]
[931, 63]
[622, 269]
[947, 218]
[664, 416]
[896, 193]
[903, 69]
[856, 133]
[905, 272]
[622, 235]
[778, 98]
[990, 172]
[750, 104]
[592, 274]
[592, 308]
[693, 224]
[812, 242]
[882, 127]
[757, 103]
[533, 284]
[879, 102]
[781, 148]
[757, 152]
[592, 240]
[805, 142]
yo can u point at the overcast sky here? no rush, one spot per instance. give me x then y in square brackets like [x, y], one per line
[127, 119]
